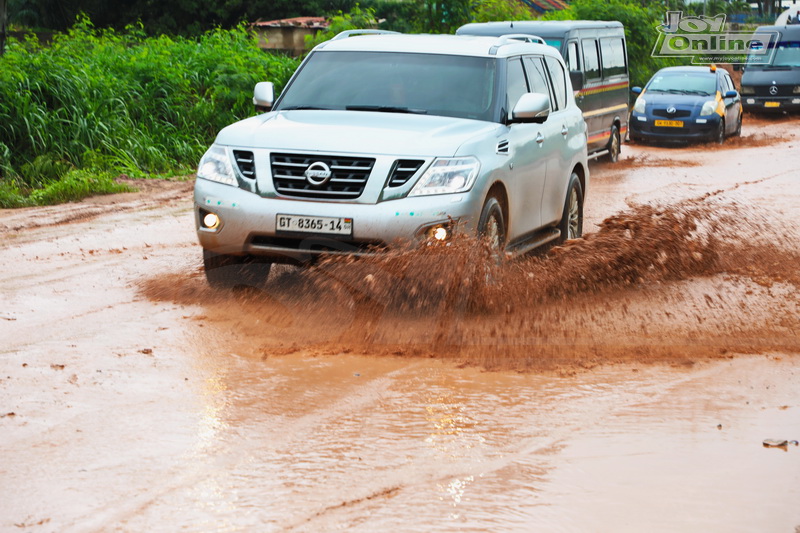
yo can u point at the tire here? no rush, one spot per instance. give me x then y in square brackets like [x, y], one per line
[571, 225]
[719, 137]
[225, 271]
[492, 226]
[738, 131]
[614, 145]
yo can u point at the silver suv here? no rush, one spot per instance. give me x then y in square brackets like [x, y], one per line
[380, 138]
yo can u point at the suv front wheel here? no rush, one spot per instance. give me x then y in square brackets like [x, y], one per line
[225, 271]
[491, 225]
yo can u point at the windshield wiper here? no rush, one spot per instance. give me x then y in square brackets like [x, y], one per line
[696, 91]
[304, 108]
[386, 109]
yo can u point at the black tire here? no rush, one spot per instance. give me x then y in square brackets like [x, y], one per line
[492, 225]
[738, 131]
[719, 137]
[614, 145]
[225, 271]
[571, 225]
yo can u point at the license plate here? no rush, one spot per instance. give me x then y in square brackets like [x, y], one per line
[772, 104]
[305, 224]
[670, 123]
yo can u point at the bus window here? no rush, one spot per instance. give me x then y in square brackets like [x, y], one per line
[591, 62]
[612, 53]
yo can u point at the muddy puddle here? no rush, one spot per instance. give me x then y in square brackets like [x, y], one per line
[652, 284]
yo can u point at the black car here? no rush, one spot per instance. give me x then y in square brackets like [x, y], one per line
[687, 103]
[771, 81]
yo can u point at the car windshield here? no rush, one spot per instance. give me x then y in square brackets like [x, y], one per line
[702, 84]
[787, 54]
[393, 82]
[784, 55]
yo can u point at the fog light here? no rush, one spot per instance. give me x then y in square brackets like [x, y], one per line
[210, 221]
[796, 100]
[701, 121]
[751, 100]
[440, 234]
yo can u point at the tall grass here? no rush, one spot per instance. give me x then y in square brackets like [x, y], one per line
[120, 102]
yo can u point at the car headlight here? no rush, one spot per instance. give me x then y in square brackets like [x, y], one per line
[446, 176]
[709, 108]
[747, 89]
[796, 89]
[638, 107]
[215, 165]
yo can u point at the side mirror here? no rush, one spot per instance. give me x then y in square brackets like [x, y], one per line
[737, 66]
[264, 95]
[731, 94]
[576, 77]
[531, 107]
[636, 90]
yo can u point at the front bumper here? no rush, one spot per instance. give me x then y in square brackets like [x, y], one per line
[694, 129]
[761, 104]
[248, 222]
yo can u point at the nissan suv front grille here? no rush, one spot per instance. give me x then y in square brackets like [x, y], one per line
[246, 163]
[402, 170]
[320, 176]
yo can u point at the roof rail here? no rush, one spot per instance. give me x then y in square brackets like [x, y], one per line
[350, 33]
[506, 39]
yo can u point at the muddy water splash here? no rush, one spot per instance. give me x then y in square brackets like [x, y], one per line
[700, 278]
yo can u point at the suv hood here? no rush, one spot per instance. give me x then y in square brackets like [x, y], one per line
[677, 100]
[361, 132]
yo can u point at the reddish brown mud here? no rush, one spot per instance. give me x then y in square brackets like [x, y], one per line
[632, 375]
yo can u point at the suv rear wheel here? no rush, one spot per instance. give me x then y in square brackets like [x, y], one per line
[571, 224]
[225, 271]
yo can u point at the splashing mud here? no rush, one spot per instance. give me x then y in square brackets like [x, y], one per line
[700, 278]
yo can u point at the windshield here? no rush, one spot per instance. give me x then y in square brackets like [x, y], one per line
[786, 54]
[702, 84]
[453, 86]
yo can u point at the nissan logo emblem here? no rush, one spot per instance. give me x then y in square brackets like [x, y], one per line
[318, 173]
[671, 110]
[773, 90]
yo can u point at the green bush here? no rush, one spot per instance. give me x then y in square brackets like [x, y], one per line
[121, 102]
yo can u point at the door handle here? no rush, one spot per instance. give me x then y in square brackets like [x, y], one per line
[539, 138]
[564, 130]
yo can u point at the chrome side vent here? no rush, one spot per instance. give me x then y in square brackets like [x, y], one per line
[502, 147]
[402, 171]
[246, 163]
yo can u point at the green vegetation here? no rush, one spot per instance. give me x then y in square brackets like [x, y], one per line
[119, 102]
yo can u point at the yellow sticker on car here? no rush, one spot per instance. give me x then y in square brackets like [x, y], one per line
[669, 123]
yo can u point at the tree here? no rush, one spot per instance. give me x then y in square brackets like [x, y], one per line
[3, 19]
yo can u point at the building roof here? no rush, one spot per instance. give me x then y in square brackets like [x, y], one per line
[296, 22]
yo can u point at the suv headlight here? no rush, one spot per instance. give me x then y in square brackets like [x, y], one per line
[446, 176]
[215, 165]
[709, 108]
[748, 89]
[639, 106]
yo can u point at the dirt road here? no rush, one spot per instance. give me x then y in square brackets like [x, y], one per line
[624, 385]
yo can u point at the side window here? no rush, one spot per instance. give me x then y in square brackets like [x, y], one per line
[516, 85]
[559, 79]
[536, 76]
[591, 63]
[613, 53]
[573, 57]
[727, 84]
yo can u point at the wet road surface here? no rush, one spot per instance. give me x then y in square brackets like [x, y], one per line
[132, 398]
